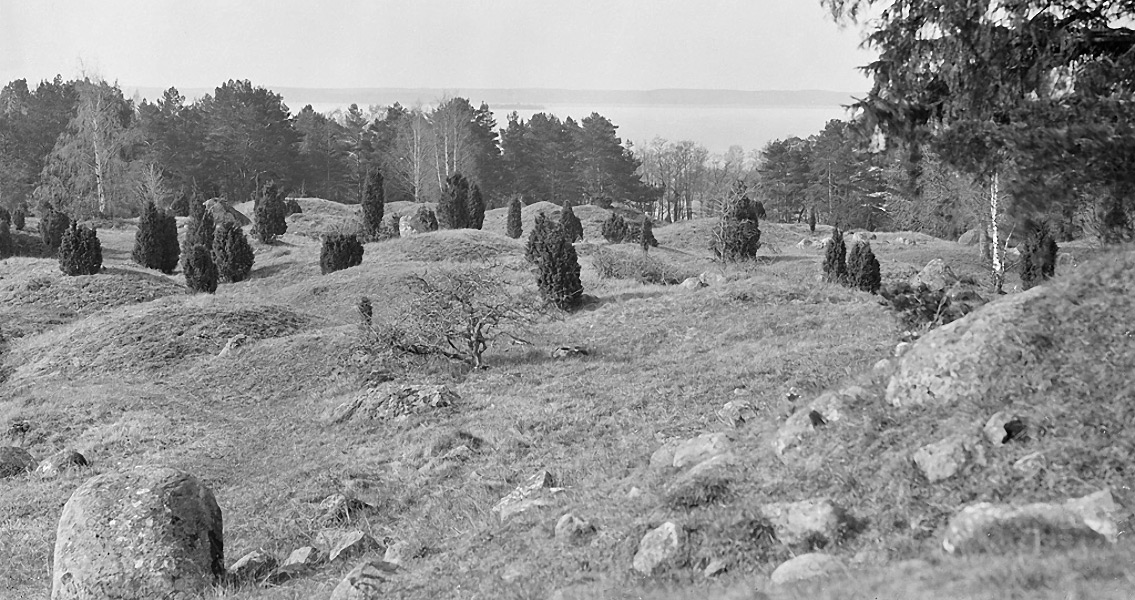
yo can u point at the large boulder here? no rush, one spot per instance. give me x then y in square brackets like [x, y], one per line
[807, 566]
[393, 401]
[223, 213]
[150, 532]
[661, 547]
[987, 527]
[970, 238]
[14, 461]
[936, 275]
[365, 581]
[815, 520]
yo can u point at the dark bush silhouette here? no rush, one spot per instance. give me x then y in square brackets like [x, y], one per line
[812, 220]
[182, 206]
[269, 214]
[374, 204]
[646, 235]
[7, 246]
[737, 235]
[1038, 257]
[614, 229]
[292, 207]
[835, 258]
[538, 236]
[635, 233]
[200, 271]
[515, 224]
[863, 268]
[155, 244]
[557, 265]
[232, 254]
[80, 252]
[475, 208]
[52, 226]
[1115, 226]
[573, 228]
[5, 216]
[452, 207]
[340, 251]
[19, 219]
[199, 231]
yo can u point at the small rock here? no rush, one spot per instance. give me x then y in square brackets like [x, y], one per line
[709, 278]
[663, 457]
[306, 556]
[234, 343]
[345, 543]
[711, 464]
[634, 493]
[943, 459]
[338, 508]
[1003, 427]
[805, 243]
[696, 450]
[659, 547]
[830, 408]
[803, 521]
[397, 553]
[61, 461]
[1030, 463]
[969, 238]
[254, 566]
[807, 566]
[536, 492]
[714, 568]
[736, 413]
[569, 352]
[392, 401]
[14, 461]
[882, 368]
[572, 529]
[364, 582]
[691, 283]
[900, 348]
[936, 275]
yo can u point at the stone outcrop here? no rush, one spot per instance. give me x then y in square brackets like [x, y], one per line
[807, 566]
[393, 401]
[825, 409]
[804, 521]
[364, 582]
[936, 275]
[660, 547]
[699, 449]
[943, 459]
[985, 527]
[538, 491]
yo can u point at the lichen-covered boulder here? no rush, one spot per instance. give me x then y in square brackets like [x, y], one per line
[149, 532]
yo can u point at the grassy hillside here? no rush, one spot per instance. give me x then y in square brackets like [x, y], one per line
[123, 366]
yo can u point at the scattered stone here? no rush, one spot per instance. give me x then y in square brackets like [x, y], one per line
[714, 568]
[829, 406]
[807, 566]
[397, 553]
[805, 243]
[901, 348]
[692, 283]
[711, 464]
[254, 566]
[663, 457]
[882, 367]
[223, 213]
[985, 526]
[936, 275]
[572, 529]
[1029, 463]
[412, 224]
[537, 491]
[338, 508]
[997, 428]
[709, 278]
[943, 459]
[306, 556]
[569, 352]
[701, 448]
[736, 413]
[149, 532]
[64, 460]
[659, 548]
[14, 461]
[969, 238]
[342, 543]
[634, 493]
[364, 582]
[804, 521]
[234, 343]
[393, 401]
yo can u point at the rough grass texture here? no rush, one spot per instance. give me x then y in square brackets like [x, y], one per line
[137, 381]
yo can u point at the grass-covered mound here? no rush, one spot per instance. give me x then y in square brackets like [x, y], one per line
[149, 338]
[461, 245]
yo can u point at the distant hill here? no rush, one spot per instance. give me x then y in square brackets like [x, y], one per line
[296, 98]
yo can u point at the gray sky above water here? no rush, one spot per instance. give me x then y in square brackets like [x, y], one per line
[572, 44]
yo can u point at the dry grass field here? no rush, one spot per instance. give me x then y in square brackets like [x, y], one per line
[123, 367]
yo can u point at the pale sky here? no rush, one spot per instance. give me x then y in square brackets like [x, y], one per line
[572, 44]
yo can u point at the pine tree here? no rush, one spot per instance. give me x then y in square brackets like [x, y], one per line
[475, 208]
[5, 216]
[340, 251]
[863, 268]
[737, 235]
[614, 228]
[812, 220]
[573, 228]
[155, 244]
[7, 246]
[538, 237]
[18, 219]
[52, 226]
[451, 207]
[182, 206]
[270, 214]
[200, 271]
[232, 253]
[646, 235]
[374, 204]
[557, 264]
[835, 259]
[1115, 227]
[1038, 257]
[80, 252]
[515, 225]
[199, 231]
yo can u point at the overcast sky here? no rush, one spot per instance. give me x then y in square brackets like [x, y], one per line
[574, 44]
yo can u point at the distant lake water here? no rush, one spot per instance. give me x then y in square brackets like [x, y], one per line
[715, 127]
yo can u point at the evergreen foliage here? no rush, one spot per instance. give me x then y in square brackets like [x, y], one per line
[292, 207]
[812, 220]
[374, 204]
[427, 217]
[737, 235]
[635, 233]
[475, 208]
[1038, 257]
[1115, 227]
[557, 264]
[232, 254]
[573, 227]
[5, 216]
[80, 252]
[538, 237]
[269, 214]
[646, 235]
[863, 268]
[155, 244]
[340, 251]
[19, 219]
[452, 207]
[395, 226]
[182, 206]
[615, 228]
[200, 271]
[7, 246]
[515, 224]
[835, 258]
[199, 230]
[52, 226]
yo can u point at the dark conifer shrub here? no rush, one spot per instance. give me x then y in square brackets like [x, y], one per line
[557, 265]
[155, 244]
[452, 206]
[394, 227]
[427, 217]
[863, 268]
[182, 206]
[5, 216]
[515, 225]
[19, 219]
[812, 220]
[232, 253]
[475, 208]
[538, 237]
[200, 271]
[199, 231]
[269, 214]
[573, 228]
[614, 228]
[52, 226]
[635, 231]
[737, 235]
[374, 204]
[835, 259]
[80, 252]
[646, 235]
[1038, 257]
[1115, 226]
[7, 246]
[292, 207]
[340, 251]
[759, 210]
